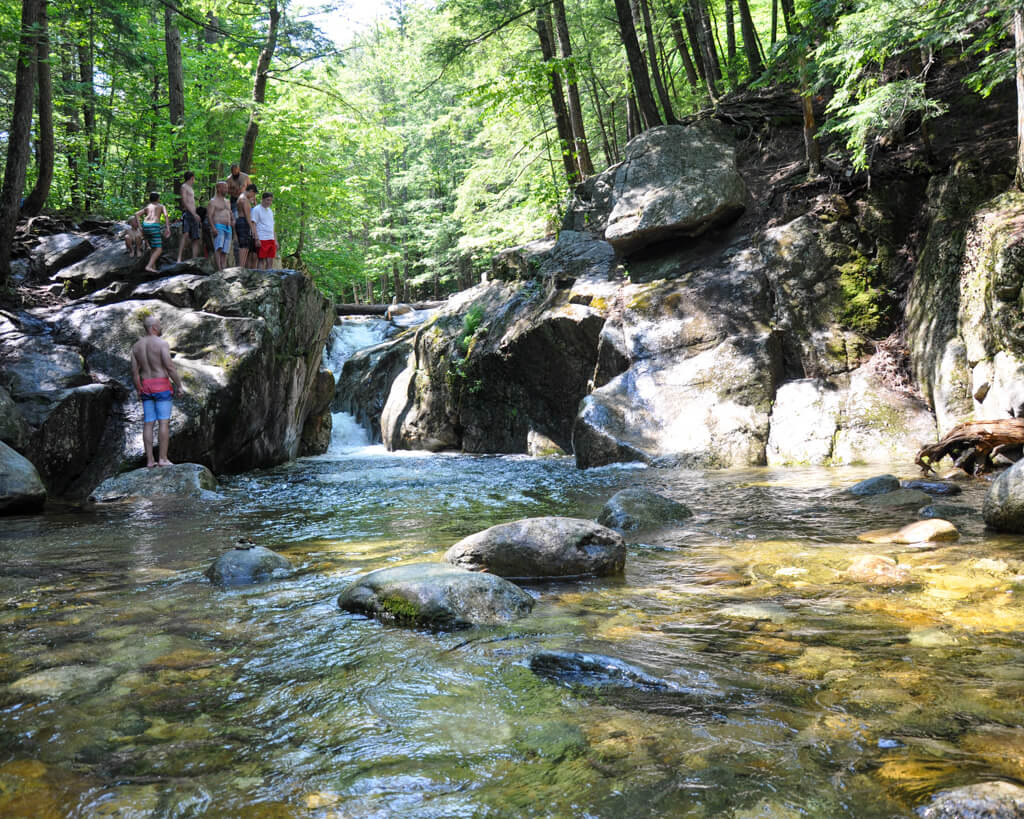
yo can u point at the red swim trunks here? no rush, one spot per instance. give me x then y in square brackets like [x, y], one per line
[268, 248]
[154, 385]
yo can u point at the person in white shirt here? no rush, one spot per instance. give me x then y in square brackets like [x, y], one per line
[263, 219]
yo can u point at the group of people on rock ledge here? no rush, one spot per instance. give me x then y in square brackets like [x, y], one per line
[233, 218]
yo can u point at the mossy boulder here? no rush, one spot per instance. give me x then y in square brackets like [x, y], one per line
[435, 595]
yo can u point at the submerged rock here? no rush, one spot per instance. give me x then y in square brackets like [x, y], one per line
[539, 548]
[436, 596]
[898, 498]
[1004, 503]
[636, 507]
[248, 564]
[921, 531]
[877, 570]
[945, 510]
[185, 480]
[21, 488]
[62, 681]
[878, 485]
[984, 800]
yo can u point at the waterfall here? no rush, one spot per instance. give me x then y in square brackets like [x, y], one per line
[349, 335]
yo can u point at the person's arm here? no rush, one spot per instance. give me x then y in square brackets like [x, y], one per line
[172, 371]
[135, 373]
[167, 221]
[209, 218]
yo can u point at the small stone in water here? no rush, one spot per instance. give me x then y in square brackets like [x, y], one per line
[877, 570]
[922, 531]
[878, 485]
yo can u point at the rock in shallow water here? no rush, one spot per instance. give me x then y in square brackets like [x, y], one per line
[878, 485]
[877, 570]
[934, 487]
[436, 596]
[186, 480]
[1004, 503]
[635, 508]
[21, 488]
[985, 800]
[921, 531]
[63, 680]
[898, 498]
[249, 564]
[540, 548]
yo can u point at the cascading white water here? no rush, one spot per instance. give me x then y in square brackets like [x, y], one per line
[348, 336]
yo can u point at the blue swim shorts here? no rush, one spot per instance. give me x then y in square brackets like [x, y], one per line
[156, 406]
[222, 241]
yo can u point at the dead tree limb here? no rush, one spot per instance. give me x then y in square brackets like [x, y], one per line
[972, 445]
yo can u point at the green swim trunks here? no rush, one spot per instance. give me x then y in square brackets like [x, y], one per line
[152, 232]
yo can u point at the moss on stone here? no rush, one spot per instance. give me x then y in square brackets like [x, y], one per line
[865, 308]
[400, 608]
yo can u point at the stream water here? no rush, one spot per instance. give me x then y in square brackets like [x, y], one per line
[129, 686]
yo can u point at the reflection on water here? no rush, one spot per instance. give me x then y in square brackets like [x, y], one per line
[132, 687]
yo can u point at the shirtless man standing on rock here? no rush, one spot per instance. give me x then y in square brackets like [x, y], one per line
[219, 214]
[153, 372]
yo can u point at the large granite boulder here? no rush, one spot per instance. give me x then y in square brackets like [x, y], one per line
[55, 252]
[674, 181]
[248, 347]
[248, 563]
[636, 507]
[436, 596]
[542, 548]
[108, 263]
[21, 489]
[497, 362]
[179, 480]
[1004, 504]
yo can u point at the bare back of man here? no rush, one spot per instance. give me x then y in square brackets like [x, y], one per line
[153, 373]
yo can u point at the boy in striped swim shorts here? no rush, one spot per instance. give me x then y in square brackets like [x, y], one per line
[153, 228]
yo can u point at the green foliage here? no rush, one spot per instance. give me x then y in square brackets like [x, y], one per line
[470, 326]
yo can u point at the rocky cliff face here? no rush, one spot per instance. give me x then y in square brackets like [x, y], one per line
[247, 345]
[657, 327]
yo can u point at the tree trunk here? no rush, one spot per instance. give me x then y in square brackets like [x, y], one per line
[259, 90]
[634, 122]
[44, 112]
[750, 43]
[579, 133]
[19, 133]
[812, 149]
[72, 127]
[175, 93]
[85, 75]
[652, 58]
[707, 37]
[637, 67]
[684, 53]
[1018, 43]
[775, 21]
[561, 112]
[730, 42]
[789, 16]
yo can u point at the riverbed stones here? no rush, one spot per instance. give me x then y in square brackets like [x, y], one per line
[921, 531]
[62, 681]
[1004, 504]
[674, 181]
[878, 485]
[945, 510]
[984, 800]
[21, 488]
[436, 596]
[248, 563]
[636, 507]
[542, 548]
[182, 480]
[878, 570]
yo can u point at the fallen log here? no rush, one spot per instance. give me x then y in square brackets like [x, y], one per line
[380, 309]
[974, 444]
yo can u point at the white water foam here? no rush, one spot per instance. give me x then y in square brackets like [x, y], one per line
[349, 335]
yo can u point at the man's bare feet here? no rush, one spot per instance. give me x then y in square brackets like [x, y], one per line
[150, 466]
[151, 270]
[164, 463]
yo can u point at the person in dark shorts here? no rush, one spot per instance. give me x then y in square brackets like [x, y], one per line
[244, 228]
